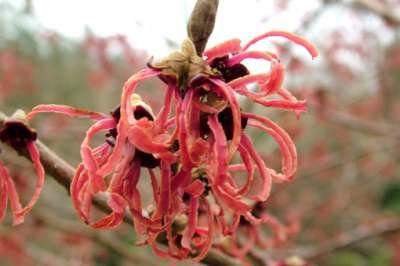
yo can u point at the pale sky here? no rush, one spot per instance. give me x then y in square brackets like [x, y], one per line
[147, 23]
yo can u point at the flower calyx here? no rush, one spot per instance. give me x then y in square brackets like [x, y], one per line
[182, 67]
[16, 132]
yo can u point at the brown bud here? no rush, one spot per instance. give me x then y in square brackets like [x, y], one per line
[201, 23]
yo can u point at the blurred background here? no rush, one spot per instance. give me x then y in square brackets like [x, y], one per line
[346, 198]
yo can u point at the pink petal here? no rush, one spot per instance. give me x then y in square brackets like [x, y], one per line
[275, 80]
[65, 110]
[132, 195]
[4, 175]
[155, 186]
[182, 131]
[233, 203]
[165, 189]
[240, 83]
[162, 116]
[78, 182]
[121, 170]
[264, 172]
[244, 154]
[294, 38]
[238, 58]
[227, 47]
[129, 88]
[288, 149]
[117, 205]
[237, 128]
[192, 223]
[89, 161]
[35, 156]
[143, 139]
[220, 147]
[116, 154]
[297, 106]
[210, 234]
[196, 188]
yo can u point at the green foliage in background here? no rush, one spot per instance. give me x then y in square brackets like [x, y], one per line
[390, 199]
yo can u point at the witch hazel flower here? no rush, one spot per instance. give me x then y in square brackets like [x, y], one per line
[186, 150]
[16, 133]
[208, 128]
[250, 235]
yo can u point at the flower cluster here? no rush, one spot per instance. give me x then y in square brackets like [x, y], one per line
[18, 135]
[250, 235]
[188, 149]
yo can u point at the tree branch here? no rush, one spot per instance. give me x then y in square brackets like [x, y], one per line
[63, 173]
[350, 238]
[100, 237]
[380, 9]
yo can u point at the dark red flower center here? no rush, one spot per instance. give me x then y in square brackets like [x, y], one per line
[17, 134]
[229, 73]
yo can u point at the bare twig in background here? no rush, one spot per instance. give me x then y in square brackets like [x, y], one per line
[380, 9]
[355, 123]
[201, 23]
[345, 240]
[101, 237]
[350, 238]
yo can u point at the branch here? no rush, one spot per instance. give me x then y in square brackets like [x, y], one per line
[355, 123]
[63, 173]
[380, 9]
[103, 238]
[350, 238]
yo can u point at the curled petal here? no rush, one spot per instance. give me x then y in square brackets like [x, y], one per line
[3, 191]
[227, 47]
[238, 58]
[144, 140]
[132, 195]
[240, 83]
[210, 233]
[233, 203]
[121, 170]
[155, 186]
[235, 109]
[180, 179]
[246, 158]
[35, 156]
[88, 158]
[78, 184]
[285, 94]
[220, 146]
[192, 222]
[117, 205]
[65, 110]
[183, 131]
[162, 116]
[165, 189]
[294, 38]
[275, 80]
[195, 189]
[289, 161]
[116, 154]
[129, 88]
[297, 106]
[262, 168]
